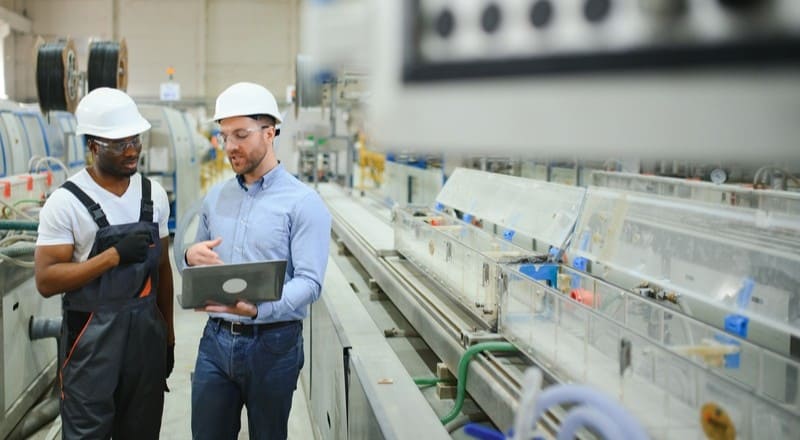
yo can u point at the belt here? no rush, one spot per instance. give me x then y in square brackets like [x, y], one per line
[238, 328]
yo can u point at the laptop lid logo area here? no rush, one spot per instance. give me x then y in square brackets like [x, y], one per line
[254, 282]
[234, 286]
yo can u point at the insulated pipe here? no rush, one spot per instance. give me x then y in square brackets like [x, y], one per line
[18, 225]
[531, 385]
[40, 415]
[46, 410]
[18, 250]
[40, 328]
[585, 416]
[560, 395]
[463, 366]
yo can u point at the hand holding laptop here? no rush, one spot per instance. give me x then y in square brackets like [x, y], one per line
[238, 286]
[241, 308]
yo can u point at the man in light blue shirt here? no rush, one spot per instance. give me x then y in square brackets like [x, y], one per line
[251, 354]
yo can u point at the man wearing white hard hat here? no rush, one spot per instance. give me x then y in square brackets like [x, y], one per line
[251, 354]
[103, 242]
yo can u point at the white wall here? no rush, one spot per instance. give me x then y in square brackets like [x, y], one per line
[210, 43]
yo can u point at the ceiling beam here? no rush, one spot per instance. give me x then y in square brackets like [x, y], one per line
[15, 21]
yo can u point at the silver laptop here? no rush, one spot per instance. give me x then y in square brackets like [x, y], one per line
[226, 283]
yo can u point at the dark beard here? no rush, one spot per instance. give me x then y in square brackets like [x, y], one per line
[112, 170]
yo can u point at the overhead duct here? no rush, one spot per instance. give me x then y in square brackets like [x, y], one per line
[309, 87]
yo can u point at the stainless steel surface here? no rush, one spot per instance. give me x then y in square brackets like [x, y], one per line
[390, 390]
[365, 426]
[440, 325]
[328, 377]
[28, 367]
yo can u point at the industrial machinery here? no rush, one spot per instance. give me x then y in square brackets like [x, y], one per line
[727, 194]
[688, 79]
[605, 287]
[172, 154]
[29, 366]
[31, 172]
[37, 155]
[676, 298]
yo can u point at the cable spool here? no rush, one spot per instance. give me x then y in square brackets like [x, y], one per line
[57, 78]
[108, 65]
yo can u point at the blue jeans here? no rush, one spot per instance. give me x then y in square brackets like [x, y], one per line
[258, 371]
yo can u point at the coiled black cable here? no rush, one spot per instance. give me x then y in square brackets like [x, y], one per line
[54, 62]
[107, 65]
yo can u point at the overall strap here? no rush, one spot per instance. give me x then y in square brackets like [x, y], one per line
[94, 208]
[146, 213]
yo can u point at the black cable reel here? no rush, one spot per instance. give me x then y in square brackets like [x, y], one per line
[108, 65]
[57, 78]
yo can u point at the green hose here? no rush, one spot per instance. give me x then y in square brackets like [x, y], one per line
[463, 365]
[427, 380]
[18, 225]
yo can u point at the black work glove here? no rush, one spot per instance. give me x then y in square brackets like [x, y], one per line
[132, 249]
[170, 359]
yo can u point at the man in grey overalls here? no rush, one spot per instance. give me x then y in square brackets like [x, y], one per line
[103, 241]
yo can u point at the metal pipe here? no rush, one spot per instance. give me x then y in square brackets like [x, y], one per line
[41, 328]
[46, 410]
[40, 415]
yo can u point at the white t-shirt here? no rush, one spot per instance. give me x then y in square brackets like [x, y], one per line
[64, 219]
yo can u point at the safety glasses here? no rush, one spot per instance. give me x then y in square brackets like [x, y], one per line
[119, 147]
[238, 136]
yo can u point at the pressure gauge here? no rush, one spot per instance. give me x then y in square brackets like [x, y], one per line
[718, 176]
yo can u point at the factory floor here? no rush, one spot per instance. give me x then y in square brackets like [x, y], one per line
[177, 408]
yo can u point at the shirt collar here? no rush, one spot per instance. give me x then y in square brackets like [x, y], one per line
[265, 181]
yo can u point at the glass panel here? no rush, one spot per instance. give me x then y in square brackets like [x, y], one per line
[732, 195]
[461, 257]
[663, 366]
[711, 253]
[409, 185]
[540, 210]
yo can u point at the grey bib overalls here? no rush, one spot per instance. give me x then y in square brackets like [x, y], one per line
[113, 343]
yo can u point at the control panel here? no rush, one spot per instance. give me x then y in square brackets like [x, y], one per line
[448, 39]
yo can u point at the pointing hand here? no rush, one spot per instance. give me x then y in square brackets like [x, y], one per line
[202, 253]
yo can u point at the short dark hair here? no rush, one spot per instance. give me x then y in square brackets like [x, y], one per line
[269, 119]
[265, 118]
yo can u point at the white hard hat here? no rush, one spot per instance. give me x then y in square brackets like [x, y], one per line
[109, 113]
[246, 99]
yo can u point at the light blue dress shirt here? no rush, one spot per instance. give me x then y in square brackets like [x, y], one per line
[276, 218]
